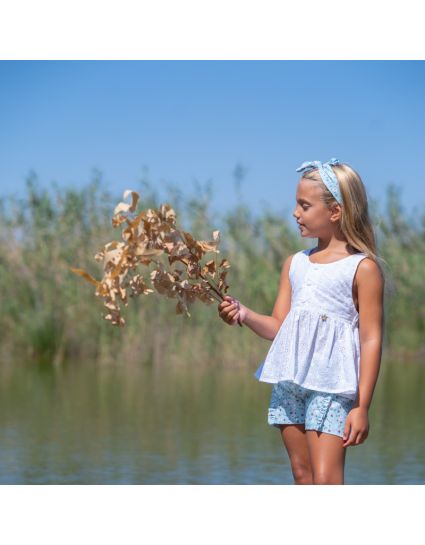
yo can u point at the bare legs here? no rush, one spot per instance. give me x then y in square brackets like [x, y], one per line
[316, 457]
[295, 441]
[328, 457]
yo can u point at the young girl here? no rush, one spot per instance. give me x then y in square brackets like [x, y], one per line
[326, 326]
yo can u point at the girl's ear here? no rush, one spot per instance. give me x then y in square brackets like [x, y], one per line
[336, 212]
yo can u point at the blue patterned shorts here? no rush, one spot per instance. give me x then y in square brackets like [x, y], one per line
[291, 403]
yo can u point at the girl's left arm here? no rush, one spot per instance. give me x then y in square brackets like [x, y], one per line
[370, 288]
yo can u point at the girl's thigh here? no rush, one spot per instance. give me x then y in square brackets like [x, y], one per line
[327, 457]
[295, 440]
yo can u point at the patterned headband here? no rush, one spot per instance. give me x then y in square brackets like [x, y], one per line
[327, 175]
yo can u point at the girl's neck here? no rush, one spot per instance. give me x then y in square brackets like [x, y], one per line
[334, 246]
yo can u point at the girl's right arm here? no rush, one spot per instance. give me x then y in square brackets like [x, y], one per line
[230, 310]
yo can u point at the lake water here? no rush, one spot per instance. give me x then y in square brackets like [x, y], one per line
[86, 424]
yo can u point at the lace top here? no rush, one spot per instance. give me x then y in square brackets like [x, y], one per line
[317, 345]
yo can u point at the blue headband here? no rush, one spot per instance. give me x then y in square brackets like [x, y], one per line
[327, 175]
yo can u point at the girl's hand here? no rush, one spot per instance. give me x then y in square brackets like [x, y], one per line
[356, 427]
[232, 311]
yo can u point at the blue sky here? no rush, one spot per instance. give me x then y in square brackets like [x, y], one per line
[187, 120]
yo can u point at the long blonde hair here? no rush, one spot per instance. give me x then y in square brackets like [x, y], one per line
[355, 222]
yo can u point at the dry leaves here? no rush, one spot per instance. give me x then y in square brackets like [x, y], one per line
[146, 237]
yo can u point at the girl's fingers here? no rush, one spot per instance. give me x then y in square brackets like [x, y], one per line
[351, 438]
[231, 299]
[359, 439]
[347, 430]
[222, 310]
[228, 312]
[233, 313]
[346, 436]
[228, 308]
[234, 319]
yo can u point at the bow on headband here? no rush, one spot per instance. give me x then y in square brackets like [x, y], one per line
[326, 173]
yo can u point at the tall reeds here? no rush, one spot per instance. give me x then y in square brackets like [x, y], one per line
[48, 314]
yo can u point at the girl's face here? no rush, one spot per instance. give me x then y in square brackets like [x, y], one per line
[312, 215]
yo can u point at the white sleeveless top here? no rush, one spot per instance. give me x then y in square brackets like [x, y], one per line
[317, 345]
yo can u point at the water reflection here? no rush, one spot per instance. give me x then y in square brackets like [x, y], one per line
[82, 424]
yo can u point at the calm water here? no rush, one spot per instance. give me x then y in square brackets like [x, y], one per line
[82, 424]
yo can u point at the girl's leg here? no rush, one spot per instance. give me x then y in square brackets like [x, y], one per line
[327, 457]
[295, 441]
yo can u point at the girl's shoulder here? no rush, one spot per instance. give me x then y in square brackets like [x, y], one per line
[369, 267]
[297, 262]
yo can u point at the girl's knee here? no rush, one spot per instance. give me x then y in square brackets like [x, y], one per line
[302, 473]
[324, 477]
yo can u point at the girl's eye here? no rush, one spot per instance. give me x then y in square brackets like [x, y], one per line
[305, 206]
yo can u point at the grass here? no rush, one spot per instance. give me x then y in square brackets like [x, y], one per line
[51, 315]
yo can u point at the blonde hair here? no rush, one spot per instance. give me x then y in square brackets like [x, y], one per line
[355, 222]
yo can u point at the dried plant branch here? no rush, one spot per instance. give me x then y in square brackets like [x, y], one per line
[148, 235]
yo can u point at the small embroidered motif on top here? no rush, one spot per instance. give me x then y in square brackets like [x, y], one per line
[324, 317]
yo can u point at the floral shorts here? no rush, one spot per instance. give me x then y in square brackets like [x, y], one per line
[321, 411]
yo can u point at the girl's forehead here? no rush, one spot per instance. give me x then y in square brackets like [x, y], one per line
[308, 190]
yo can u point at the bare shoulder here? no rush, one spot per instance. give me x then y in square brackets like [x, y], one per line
[287, 264]
[287, 260]
[368, 265]
[368, 270]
